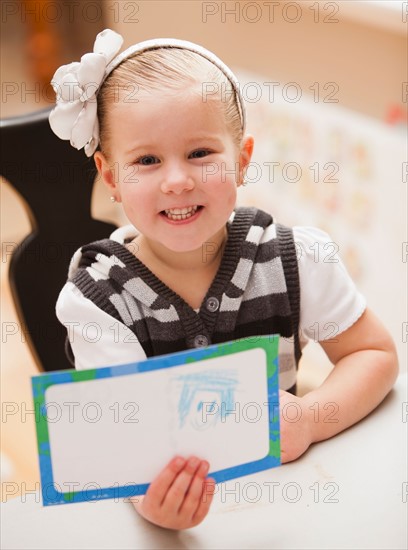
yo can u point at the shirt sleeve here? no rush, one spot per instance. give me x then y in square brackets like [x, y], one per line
[329, 300]
[97, 339]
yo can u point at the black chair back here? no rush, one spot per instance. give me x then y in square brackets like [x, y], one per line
[55, 183]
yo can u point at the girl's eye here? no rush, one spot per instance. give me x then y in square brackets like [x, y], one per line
[147, 160]
[200, 153]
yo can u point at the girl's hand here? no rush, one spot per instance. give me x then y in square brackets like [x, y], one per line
[295, 425]
[180, 496]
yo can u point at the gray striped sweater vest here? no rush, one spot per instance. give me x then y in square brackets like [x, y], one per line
[255, 291]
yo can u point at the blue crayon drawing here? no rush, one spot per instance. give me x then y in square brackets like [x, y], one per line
[206, 398]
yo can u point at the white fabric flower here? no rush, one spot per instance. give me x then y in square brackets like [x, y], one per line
[76, 84]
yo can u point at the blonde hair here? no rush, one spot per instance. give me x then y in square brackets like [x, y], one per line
[164, 69]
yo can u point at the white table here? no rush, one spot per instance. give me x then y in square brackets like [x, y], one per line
[346, 492]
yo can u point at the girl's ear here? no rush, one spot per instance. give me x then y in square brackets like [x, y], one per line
[245, 156]
[107, 173]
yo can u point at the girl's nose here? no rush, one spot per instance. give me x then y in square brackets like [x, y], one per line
[176, 180]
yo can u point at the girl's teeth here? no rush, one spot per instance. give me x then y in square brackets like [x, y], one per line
[181, 213]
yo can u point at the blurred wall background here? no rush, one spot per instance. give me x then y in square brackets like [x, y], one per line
[326, 91]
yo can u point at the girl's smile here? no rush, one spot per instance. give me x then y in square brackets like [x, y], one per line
[182, 214]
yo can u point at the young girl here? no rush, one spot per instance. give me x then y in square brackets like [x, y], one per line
[192, 270]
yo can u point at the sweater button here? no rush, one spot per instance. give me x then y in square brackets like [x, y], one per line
[200, 340]
[212, 304]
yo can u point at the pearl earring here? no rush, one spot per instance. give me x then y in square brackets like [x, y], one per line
[113, 199]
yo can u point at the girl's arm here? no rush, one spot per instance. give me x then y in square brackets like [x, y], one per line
[366, 366]
[97, 339]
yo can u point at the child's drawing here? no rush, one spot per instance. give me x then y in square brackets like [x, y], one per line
[206, 398]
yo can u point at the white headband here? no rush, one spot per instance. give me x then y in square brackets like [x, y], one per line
[77, 84]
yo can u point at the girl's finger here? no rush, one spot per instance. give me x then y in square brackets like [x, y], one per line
[177, 492]
[190, 504]
[161, 484]
[206, 498]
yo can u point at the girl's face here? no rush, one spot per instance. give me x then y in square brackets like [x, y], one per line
[174, 166]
